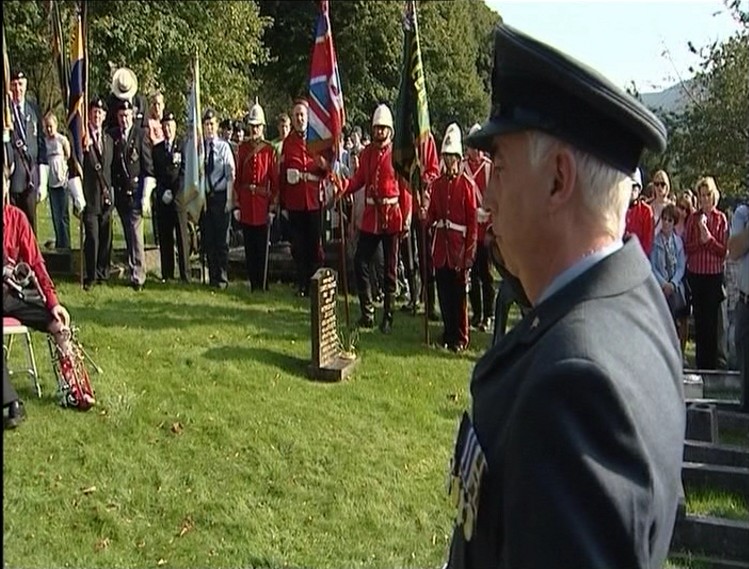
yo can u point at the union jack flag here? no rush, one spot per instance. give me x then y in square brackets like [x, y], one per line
[326, 113]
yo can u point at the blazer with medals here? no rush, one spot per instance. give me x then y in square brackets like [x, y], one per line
[573, 454]
[97, 175]
[168, 169]
[29, 147]
[131, 164]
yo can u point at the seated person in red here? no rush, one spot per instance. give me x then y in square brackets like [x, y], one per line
[38, 309]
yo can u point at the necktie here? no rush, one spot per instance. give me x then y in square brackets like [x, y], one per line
[209, 166]
[168, 147]
[19, 122]
[97, 137]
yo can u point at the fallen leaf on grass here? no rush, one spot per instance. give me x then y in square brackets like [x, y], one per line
[187, 525]
[89, 490]
[161, 562]
[177, 428]
[149, 352]
[102, 544]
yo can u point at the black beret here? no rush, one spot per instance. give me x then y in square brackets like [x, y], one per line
[97, 103]
[125, 105]
[238, 125]
[209, 114]
[225, 124]
[168, 116]
[536, 87]
[17, 74]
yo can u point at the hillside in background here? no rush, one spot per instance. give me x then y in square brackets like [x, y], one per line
[672, 99]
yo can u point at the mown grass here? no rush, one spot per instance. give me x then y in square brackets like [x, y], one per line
[210, 447]
[708, 502]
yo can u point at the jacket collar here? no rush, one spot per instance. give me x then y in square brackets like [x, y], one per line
[621, 271]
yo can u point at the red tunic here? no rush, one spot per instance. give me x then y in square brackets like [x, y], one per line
[299, 177]
[640, 223]
[706, 258]
[452, 212]
[19, 244]
[480, 171]
[256, 185]
[387, 203]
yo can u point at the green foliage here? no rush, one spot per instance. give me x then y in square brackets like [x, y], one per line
[456, 49]
[156, 40]
[711, 137]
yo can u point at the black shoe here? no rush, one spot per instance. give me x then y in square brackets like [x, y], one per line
[137, 287]
[16, 414]
[433, 317]
[476, 322]
[87, 286]
[366, 322]
[386, 326]
[302, 293]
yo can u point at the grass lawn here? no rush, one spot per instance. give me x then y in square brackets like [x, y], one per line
[706, 502]
[209, 447]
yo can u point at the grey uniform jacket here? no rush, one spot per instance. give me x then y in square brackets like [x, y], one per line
[97, 173]
[572, 457]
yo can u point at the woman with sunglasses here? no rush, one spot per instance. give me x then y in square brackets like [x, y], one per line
[661, 199]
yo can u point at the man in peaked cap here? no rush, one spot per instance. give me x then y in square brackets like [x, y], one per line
[28, 184]
[571, 455]
[452, 214]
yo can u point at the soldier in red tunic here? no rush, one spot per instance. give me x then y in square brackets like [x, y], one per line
[387, 213]
[640, 216]
[256, 195]
[299, 182]
[452, 213]
[478, 167]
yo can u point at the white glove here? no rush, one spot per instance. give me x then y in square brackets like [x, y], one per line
[482, 216]
[285, 214]
[149, 185]
[76, 193]
[271, 217]
[41, 192]
[237, 214]
[167, 197]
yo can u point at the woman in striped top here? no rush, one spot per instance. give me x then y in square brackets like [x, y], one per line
[706, 246]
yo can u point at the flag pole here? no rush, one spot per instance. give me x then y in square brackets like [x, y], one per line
[344, 269]
[84, 119]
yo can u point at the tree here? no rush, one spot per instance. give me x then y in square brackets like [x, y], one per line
[711, 137]
[156, 40]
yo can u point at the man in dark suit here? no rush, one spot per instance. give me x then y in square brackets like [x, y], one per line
[572, 454]
[170, 210]
[132, 177]
[28, 184]
[98, 192]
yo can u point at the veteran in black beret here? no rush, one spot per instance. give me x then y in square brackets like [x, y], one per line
[571, 453]
[169, 203]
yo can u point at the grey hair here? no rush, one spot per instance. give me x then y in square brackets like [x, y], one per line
[605, 190]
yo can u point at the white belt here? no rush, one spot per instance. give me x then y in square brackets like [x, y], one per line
[447, 224]
[294, 176]
[382, 201]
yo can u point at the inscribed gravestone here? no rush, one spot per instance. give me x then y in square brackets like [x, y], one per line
[327, 361]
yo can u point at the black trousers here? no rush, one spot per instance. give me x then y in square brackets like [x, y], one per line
[97, 245]
[451, 290]
[707, 294]
[26, 202]
[306, 243]
[421, 256]
[33, 314]
[169, 235]
[365, 251]
[254, 253]
[215, 238]
[482, 287]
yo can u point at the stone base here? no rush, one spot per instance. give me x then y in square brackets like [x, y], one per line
[338, 370]
[67, 262]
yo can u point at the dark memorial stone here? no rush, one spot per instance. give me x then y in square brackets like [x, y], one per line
[328, 361]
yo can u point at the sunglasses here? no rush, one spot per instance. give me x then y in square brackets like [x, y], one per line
[659, 184]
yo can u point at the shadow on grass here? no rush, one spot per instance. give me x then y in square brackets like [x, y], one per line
[286, 363]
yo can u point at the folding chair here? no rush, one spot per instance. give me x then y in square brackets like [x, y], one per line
[12, 328]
